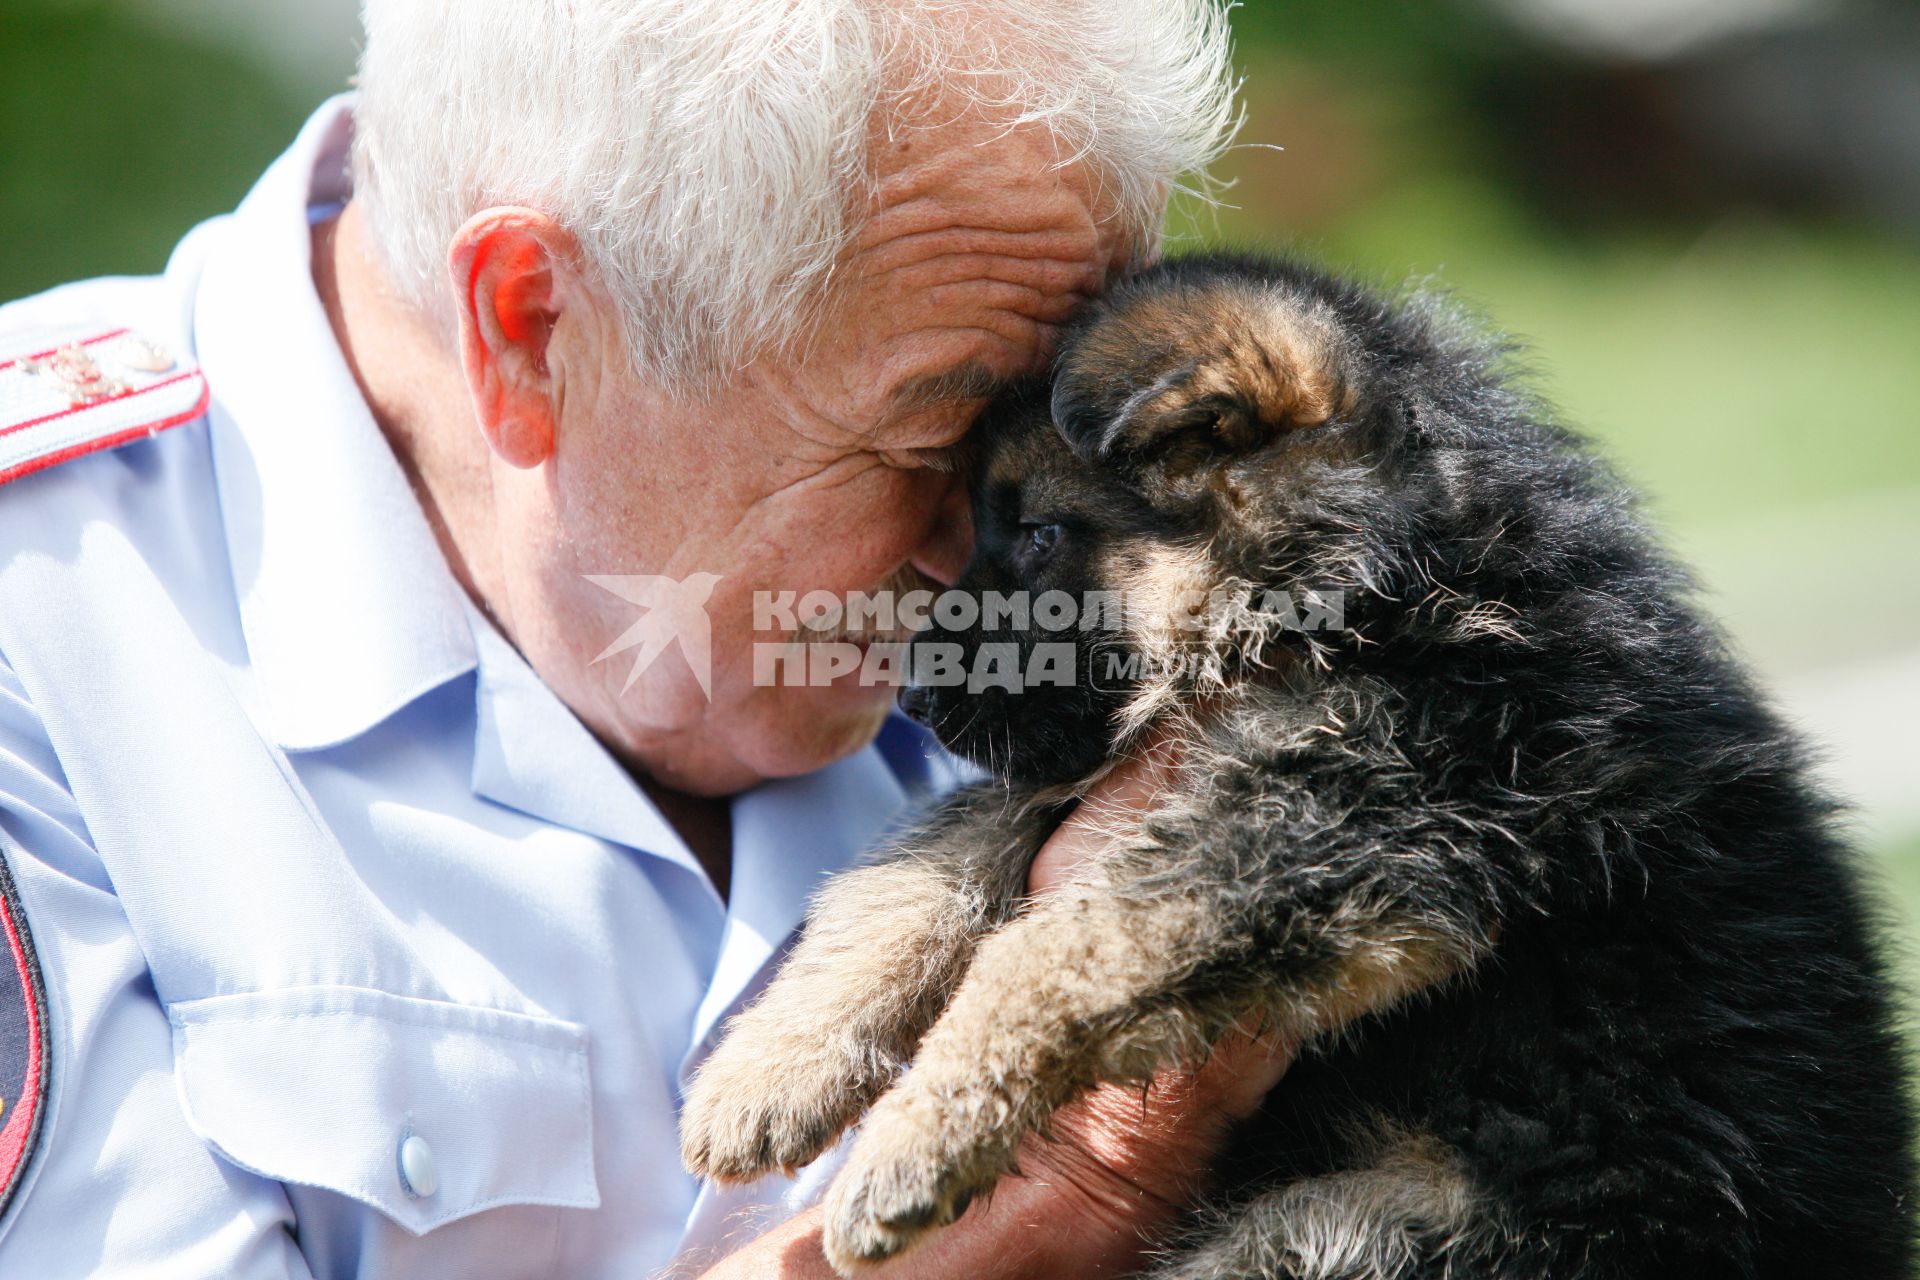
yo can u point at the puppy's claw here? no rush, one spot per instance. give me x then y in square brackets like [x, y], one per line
[746, 1145]
[744, 1118]
[898, 1188]
[870, 1222]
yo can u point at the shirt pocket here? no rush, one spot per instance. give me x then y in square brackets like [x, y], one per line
[324, 1086]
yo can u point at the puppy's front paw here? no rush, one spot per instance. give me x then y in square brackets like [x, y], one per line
[756, 1106]
[906, 1177]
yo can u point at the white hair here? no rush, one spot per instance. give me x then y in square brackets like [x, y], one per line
[711, 156]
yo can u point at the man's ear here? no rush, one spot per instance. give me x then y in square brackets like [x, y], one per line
[508, 267]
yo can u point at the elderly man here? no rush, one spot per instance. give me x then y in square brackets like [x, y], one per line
[368, 904]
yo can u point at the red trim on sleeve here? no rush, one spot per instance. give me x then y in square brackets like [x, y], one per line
[24, 1114]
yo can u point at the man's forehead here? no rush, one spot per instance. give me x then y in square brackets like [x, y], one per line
[978, 246]
[968, 170]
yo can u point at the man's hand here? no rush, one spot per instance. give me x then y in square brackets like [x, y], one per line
[1122, 1161]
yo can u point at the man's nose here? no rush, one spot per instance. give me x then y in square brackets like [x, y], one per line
[948, 544]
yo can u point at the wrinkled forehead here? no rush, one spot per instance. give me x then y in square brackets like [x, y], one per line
[975, 251]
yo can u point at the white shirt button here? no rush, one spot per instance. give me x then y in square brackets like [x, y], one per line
[419, 1173]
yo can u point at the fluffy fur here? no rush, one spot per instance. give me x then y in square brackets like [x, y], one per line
[1586, 975]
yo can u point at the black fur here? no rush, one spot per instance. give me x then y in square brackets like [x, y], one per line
[1673, 1051]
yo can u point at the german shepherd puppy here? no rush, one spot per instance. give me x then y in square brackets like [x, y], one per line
[1586, 979]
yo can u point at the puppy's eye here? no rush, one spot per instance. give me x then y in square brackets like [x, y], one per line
[1040, 539]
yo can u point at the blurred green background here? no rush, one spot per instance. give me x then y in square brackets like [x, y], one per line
[1703, 216]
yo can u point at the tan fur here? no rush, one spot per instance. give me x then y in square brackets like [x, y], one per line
[1267, 351]
[800, 1065]
[1168, 585]
[1057, 1001]
[1387, 963]
[1048, 1007]
[1283, 358]
[1368, 1223]
[1068, 995]
[883, 949]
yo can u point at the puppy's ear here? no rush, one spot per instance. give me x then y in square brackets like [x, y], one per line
[1177, 383]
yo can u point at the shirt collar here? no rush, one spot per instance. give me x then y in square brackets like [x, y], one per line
[347, 604]
[532, 754]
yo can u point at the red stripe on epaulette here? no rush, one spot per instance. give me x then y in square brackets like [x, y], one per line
[25, 1065]
[90, 393]
[113, 441]
[108, 336]
[110, 400]
[103, 402]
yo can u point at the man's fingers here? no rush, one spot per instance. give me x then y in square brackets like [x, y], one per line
[1121, 1144]
[1109, 811]
[1160, 1141]
[1243, 1069]
[1189, 1101]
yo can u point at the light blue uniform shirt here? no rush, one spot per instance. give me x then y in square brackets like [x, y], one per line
[316, 865]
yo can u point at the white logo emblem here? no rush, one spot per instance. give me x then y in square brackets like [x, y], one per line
[675, 610]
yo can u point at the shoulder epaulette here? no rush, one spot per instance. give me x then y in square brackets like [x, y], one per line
[67, 394]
